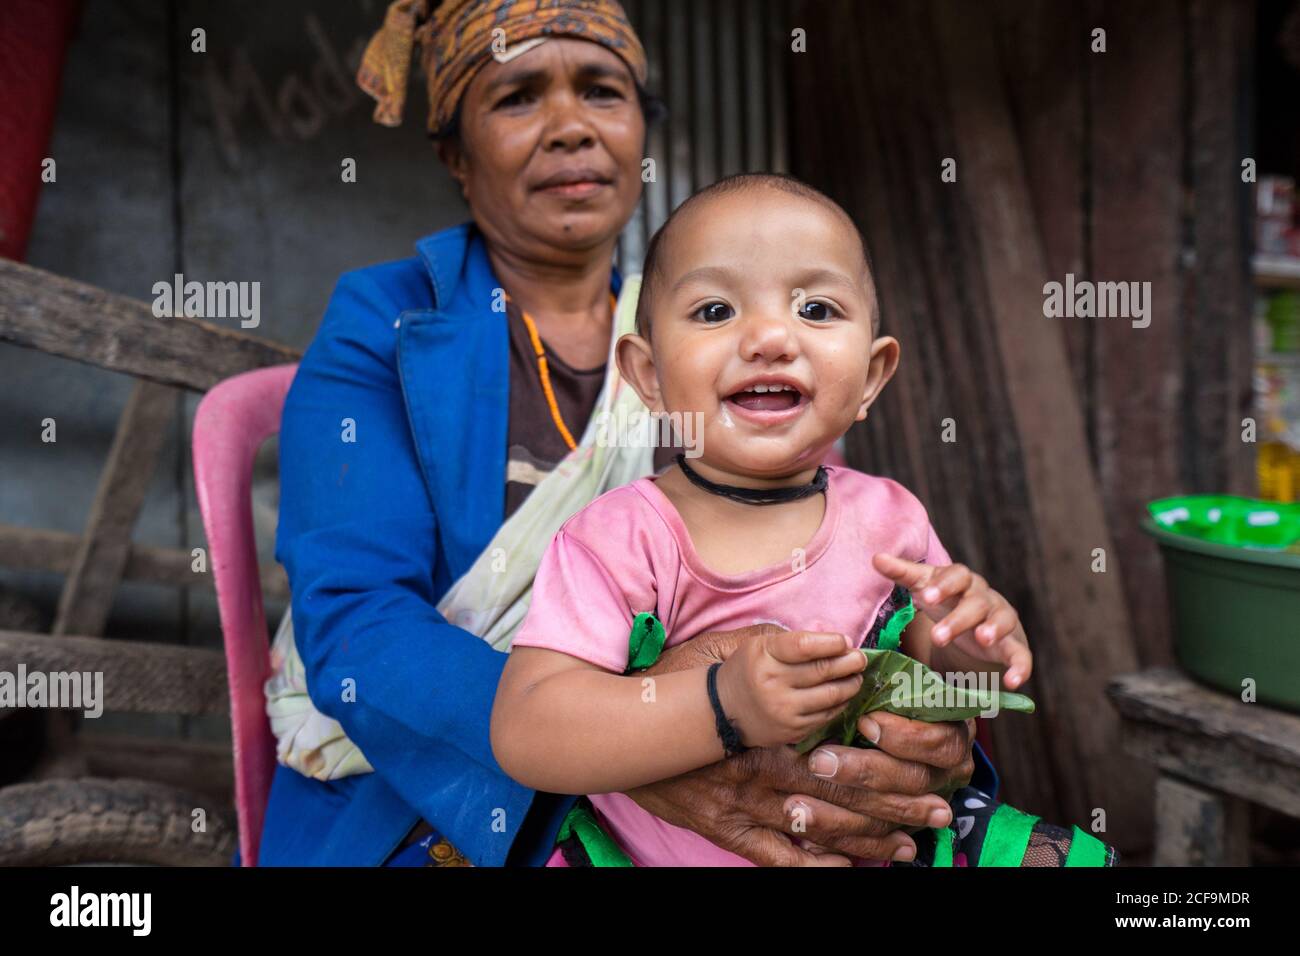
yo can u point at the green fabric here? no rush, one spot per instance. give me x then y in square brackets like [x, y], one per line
[1085, 850]
[646, 642]
[1007, 837]
[892, 634]
[600, 846]
[942, 847]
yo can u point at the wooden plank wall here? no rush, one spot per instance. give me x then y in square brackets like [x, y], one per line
[58, 316]
[1134, 160]
[1130, 160]
[224, 166]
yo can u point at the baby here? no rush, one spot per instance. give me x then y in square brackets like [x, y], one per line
[758, 312]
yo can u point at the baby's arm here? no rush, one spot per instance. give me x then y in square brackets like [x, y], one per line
[563, 725]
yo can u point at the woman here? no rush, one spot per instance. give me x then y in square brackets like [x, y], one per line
[422, 417]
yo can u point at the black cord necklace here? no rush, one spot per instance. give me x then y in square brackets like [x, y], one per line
[755, 496]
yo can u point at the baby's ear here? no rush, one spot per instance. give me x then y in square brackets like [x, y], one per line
[636, 363]
[880, 369]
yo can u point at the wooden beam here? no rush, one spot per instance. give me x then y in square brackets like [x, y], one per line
[1250, 751]
[38, 549]
[1092, 639]
[1170, 700]
[1218, 391]
[87, 595]
[894, 439]
[45, 311]
[138, 677]
[1199, 827]
[202, 766]
[1044, 61]
[1137, 137]
[1043, 50]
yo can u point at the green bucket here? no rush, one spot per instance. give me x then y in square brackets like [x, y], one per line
[1233, 571]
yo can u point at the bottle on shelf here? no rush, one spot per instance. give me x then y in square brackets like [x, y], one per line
[1277, 390]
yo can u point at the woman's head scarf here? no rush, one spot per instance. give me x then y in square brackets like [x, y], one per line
[458, 37]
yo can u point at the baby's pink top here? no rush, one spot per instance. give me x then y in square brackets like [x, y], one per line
[628, 552]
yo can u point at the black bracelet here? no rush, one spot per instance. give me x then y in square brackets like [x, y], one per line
[726, 729]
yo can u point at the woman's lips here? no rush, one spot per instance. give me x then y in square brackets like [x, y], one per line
[578, 190]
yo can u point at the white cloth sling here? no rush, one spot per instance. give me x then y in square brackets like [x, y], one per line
[492, 597]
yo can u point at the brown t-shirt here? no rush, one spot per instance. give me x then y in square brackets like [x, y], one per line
[534, 445]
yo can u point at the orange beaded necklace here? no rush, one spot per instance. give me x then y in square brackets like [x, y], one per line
[544, 374]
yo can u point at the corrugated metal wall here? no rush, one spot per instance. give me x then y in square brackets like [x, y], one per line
[715, 64]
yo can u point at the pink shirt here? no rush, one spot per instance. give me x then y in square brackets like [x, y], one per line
[628, 552]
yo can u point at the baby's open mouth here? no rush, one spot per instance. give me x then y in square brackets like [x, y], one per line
[767, 398]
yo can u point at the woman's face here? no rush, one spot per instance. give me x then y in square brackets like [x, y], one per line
[550, 149]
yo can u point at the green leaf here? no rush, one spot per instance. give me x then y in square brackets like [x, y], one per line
[901, 685]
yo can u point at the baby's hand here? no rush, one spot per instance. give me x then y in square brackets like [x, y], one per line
[967, 613]
[778, 688]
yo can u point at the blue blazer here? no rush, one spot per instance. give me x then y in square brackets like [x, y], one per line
[410, 364]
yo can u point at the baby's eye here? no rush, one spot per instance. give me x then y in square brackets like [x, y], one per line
[714, 312]
[817, 311]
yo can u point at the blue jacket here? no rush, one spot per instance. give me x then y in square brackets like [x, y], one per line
[413, 360]
[411, 363]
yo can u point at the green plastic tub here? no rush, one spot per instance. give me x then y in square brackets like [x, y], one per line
[1233, 571]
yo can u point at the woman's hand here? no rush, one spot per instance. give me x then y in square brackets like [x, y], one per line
[758, 803]
[912, 757]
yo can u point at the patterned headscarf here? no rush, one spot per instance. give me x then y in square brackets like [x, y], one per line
[459, 37]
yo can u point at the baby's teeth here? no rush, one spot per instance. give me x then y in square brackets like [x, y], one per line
[762, 389]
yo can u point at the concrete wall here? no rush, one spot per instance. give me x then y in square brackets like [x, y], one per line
[222, 165]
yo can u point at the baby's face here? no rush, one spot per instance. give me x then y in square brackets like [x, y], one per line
[762, 322]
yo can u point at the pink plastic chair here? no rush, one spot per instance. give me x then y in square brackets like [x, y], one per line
[231, 423]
